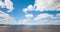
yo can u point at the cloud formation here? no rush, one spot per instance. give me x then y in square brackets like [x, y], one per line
[29, 16]
[58, 15]
[41, 5]
[42, 19]
[47, 5]
[7, 4]
[43, 16]
[6, 19]
[29, 8]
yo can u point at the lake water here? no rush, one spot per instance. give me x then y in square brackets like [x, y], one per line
[30, 28]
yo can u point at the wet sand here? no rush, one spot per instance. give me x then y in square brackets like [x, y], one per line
[30, 28]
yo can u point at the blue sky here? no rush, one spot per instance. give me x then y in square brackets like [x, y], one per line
[18, 6]
[31, 10]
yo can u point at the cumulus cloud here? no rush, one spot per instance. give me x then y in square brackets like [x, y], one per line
[42, 19]
[2, 5]
[41, 5]
[29, 16]
[25, 10]
[29, 8]
[47, 19]
[40, 22]
[43, 16]
[47, 5]
[7, 4]
[6, 19]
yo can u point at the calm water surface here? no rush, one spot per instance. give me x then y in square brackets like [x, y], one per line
[30, 28]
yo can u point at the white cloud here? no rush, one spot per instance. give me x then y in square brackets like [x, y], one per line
[44, 5]
[6, 19]
[7, 4]
[47, 19]
[58, 15]
[25, 22]
[29, 16]
[41, 22]
[49, 22]
[25, 10]
[29, 8]
[47, 5]
[42, 19]
[2, 5]
[54, 22]
[43, 16]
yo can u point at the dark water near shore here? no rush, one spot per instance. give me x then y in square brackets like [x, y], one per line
[30, 28]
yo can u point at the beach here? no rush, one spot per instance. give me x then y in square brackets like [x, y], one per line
[30, 28]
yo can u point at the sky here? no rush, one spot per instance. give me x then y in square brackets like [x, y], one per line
[30, 12]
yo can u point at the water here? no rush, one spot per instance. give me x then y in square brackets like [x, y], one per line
[30, 28]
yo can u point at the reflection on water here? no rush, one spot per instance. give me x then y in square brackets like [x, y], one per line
[30, 28]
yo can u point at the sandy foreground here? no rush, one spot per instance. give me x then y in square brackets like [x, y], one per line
[28, 28]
